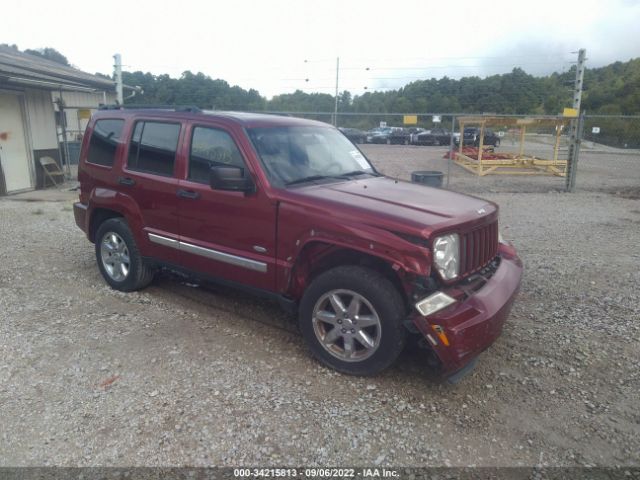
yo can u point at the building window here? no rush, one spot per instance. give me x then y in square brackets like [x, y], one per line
[104, 142]
[153, 147]
[211, 147]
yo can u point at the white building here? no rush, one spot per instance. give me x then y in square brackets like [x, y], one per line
[30, 119]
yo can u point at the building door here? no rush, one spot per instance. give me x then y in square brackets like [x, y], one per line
[14, 158]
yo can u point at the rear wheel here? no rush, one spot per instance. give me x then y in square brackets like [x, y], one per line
[118, 257]
[351, 318]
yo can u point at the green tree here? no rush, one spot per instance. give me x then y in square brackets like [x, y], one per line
[50, 54]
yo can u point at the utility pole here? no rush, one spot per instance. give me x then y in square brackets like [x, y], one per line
[335, 109]
[118, 74]
[576, 125]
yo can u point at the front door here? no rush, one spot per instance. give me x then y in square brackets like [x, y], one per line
[224, 234]
[14, 157]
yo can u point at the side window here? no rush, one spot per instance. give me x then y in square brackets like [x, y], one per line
[153, 147]
[104, 142]
[211, 147]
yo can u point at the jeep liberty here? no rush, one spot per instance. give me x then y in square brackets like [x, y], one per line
[291, 209]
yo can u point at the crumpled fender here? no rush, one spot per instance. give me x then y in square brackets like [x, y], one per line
[402, 255]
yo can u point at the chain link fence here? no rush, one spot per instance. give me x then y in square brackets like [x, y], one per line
[609, 151]
[609, 157]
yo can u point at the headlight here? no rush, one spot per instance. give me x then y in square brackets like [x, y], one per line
[446, 255]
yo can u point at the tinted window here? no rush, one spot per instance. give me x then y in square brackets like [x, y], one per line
[153, 147]
[211, 147]
[104, 141]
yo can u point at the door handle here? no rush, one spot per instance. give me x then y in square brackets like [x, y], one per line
[126, 181]
[188, 194]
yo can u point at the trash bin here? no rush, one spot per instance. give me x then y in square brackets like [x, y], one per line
[431, 178]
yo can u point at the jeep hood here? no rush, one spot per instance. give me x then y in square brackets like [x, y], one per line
[399, 205]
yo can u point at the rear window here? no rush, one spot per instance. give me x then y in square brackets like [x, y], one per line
[153, 147]
[104, 142]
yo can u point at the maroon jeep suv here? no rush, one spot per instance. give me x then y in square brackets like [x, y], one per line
[291, 209]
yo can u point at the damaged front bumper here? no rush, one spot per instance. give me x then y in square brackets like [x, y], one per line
[459, 332]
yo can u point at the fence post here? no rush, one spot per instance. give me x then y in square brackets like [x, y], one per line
[574, 154]
[576, 124]
[453, 126]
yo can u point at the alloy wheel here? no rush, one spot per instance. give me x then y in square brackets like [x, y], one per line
[346, 325]
[115, 256]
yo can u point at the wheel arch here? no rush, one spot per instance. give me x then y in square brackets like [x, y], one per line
[98, 216]
[319, 256]
[106, 203]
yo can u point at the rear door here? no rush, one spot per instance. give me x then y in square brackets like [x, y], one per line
[225, 234]
[149, 178]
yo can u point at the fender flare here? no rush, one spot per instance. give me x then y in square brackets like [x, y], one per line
[109, 199]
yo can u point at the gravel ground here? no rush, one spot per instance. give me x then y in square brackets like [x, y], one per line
[186, 375]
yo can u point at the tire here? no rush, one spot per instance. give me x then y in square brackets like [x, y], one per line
[115, 238]
[380, 306]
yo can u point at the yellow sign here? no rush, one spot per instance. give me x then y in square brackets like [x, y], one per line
[410, 119]
[570, 112]
[84, 114]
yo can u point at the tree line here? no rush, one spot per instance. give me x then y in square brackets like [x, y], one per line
[613, 90]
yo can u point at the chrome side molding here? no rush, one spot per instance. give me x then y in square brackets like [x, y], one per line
[209, 253]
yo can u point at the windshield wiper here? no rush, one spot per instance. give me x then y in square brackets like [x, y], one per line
[357, 172]
[342, 176]
[310, 179]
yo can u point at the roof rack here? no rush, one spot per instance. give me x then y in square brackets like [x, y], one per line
[175, 108]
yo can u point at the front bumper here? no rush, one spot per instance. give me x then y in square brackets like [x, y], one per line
[472, 325]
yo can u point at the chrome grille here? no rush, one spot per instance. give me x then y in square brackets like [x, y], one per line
[477, 248]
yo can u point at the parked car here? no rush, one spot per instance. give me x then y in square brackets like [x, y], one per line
[399, 136]
[414, 132]
[288, 209]
[353, 134]
[388, 135]
[378, 135]
[472, 137]
[435, 136]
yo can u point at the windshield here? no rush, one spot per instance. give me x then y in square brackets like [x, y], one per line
[292, 154]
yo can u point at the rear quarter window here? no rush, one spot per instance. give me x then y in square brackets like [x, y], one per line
[104, 141]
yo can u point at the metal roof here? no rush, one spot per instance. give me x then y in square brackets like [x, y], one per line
[22, 69]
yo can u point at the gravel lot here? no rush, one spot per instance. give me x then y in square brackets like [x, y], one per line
[186, 375]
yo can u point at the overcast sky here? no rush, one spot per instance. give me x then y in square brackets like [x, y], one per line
[284, 45]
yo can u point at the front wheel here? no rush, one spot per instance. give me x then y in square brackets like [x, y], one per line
[351, 318]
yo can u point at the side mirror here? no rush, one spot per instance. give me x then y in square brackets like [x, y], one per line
[230, 178]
